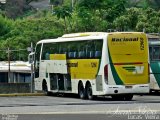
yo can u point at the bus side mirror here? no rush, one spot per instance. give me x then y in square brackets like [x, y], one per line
[31, 58]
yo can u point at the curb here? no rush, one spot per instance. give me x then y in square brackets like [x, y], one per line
[22, 94]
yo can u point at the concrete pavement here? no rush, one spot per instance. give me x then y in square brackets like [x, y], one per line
[21, 94]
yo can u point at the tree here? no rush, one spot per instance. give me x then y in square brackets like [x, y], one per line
[141, 26]
[122, 23]
[113, 9]
[87, 15]
[149, 20]
[106, 10]
[26, 31]
[63, 12]
[133, 16]
[6, 26]
[29, 1]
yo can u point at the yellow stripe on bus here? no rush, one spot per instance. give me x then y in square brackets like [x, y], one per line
[83, 68]
[57, 56]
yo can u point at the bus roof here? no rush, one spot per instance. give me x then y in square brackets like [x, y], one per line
[76, 37]
[82, 36]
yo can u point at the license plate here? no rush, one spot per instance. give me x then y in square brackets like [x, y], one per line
[128, 87]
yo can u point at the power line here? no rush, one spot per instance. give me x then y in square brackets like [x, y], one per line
[13, 50]
[9, 59]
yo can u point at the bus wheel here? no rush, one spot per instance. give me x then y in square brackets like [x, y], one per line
[81, 91]
[128, 97]
[89, 91]
[117, 97]
[45, 88]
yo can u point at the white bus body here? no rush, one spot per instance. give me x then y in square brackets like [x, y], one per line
[93, 64]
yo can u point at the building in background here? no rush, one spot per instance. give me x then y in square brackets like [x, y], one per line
[16, 72]
[3, 1]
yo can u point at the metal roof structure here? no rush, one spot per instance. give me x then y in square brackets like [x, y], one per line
[15, 66]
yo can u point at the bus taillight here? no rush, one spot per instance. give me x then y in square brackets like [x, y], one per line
[106, 73]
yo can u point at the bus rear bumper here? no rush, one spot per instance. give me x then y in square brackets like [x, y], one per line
[128, 89]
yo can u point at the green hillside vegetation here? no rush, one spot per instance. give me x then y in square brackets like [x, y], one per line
[20, 25]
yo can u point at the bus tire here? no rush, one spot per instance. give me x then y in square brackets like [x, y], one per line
[81, 91]
[45, 88]
[89, 92]
[128, 97]
[117, 97]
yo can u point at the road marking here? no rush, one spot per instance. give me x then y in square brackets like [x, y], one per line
[113, 112]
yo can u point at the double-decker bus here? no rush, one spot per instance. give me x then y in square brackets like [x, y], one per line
[93, 64]
[154, 52]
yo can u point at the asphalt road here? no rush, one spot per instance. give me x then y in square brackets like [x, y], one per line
[79, 117]
[67, 108]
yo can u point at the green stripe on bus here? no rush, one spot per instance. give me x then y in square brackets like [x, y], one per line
[132, 67]
[155, 66]
[117, 79]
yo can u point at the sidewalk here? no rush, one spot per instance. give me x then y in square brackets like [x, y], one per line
[21, 94]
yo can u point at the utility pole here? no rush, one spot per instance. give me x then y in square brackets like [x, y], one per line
[8, 51]
[9, 77]
[32, 69]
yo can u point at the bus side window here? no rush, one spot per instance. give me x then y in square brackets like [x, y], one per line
[72, 50]
[81, 48]
[47, 56]
[72, 54]
[90, 54]
[98, 49]
[98, 54]
[90, 49]
[48, 48]
[81, 54]
[55, 48]
[43, 52]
